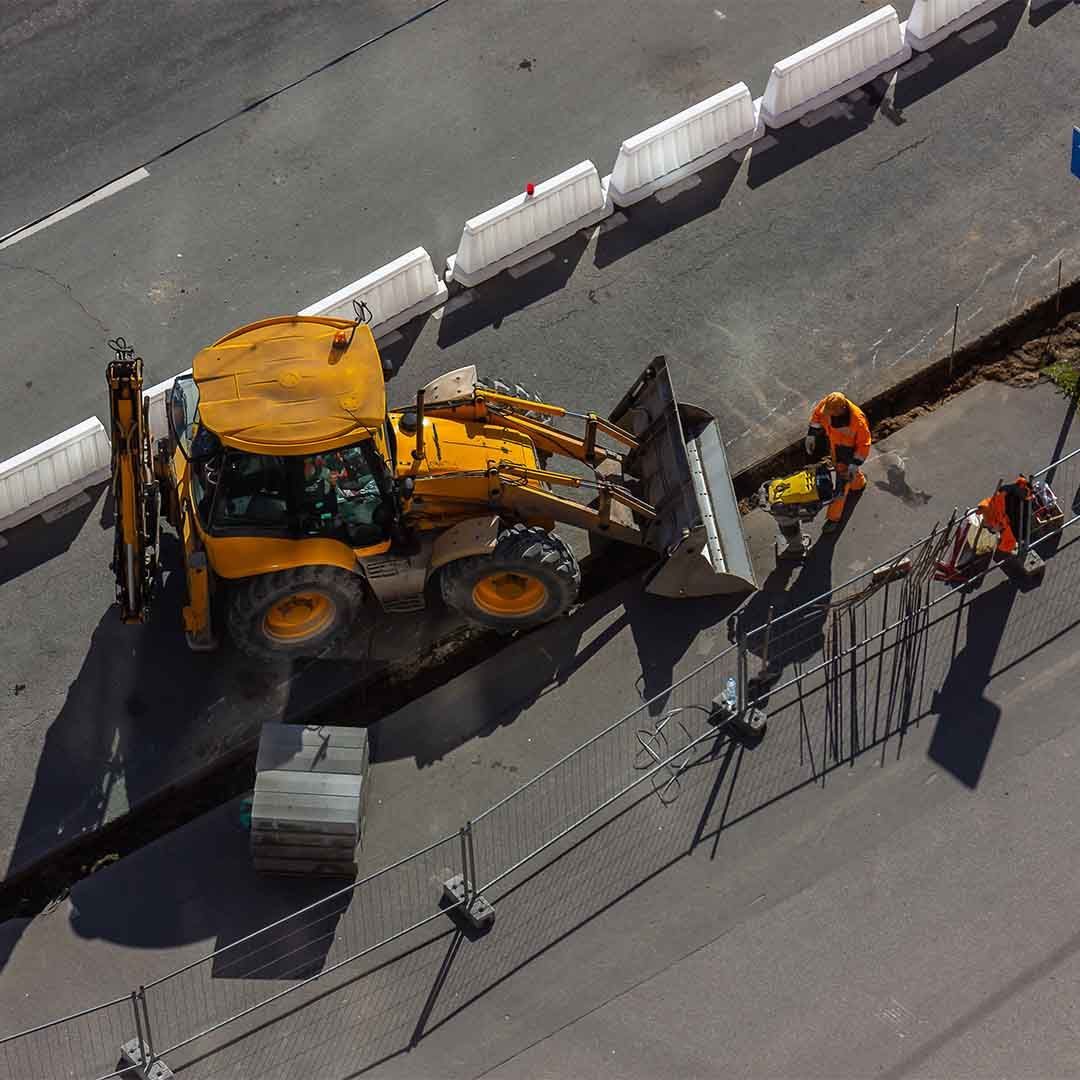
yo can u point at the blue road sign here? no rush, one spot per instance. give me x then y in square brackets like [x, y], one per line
[1076, 153]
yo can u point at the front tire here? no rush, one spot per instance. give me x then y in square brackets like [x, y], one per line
[294, 613]
[531, 577]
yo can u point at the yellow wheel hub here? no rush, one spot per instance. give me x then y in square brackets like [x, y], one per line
[508, 593]
[299, 616]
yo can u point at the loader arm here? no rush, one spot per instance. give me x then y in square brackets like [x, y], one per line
[524, 493]
[667, 487]
[136, 494]
[518, 414]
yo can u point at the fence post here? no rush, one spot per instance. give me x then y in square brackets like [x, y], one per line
[952, 351]
[151, 1054]
[467, 883]
[741, 667]
[474, 876]
[140, 1041]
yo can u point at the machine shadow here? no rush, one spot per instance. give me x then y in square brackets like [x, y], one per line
[955, 56]
[496, 693]
[660, 214]
[488, 303]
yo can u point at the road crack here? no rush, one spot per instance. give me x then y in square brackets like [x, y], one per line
[53, 279]
[902, 150]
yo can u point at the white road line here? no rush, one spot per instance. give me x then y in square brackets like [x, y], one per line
[75, 207]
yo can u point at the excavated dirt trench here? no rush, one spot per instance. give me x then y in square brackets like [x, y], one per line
[1018, 352]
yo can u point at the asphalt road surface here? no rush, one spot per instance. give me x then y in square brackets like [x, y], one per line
[834, 257]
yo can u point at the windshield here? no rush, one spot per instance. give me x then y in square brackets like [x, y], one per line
[183, 412]
[340, 494]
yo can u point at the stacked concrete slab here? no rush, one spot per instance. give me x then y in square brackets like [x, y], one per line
[310, 794]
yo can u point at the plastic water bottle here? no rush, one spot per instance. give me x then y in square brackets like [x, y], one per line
[731, 694]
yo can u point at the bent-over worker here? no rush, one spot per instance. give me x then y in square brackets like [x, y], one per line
[848, 432]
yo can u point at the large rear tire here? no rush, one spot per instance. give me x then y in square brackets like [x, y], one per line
[294, 613]
[531, 577]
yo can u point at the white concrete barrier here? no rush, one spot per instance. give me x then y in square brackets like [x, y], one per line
[833, 67]
[52, 472]
[395, 293]
[932, 21]
[684, 144]
[527, 224]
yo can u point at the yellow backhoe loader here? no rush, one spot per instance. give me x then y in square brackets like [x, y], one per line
[298, 497]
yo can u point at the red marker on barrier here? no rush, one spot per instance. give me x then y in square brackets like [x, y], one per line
[530, 188]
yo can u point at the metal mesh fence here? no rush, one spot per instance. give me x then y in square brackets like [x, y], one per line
[85, 1044]
[650, 745]
[302, 947]
[836, 672]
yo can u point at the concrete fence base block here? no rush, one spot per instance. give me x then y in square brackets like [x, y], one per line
[917, 32]
[478, 913]
[134, 1056]
[827, 97]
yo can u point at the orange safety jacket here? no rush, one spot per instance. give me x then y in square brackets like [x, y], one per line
[995, 512]
[849, 445]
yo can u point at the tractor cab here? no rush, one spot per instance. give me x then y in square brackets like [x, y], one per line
[291, 446]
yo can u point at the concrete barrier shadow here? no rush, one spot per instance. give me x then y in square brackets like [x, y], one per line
[958, 54]
[1041, 10]
[820, 130]
[37, 541]
[513, 290]
[660, 214]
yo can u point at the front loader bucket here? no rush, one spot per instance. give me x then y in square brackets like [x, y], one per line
[681, 469]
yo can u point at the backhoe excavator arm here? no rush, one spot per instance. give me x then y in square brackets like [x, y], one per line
[136, 495]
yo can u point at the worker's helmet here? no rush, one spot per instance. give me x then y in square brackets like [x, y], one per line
[834, 404]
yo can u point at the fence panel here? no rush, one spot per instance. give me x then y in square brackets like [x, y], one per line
[274, 961]
[83, 1045]
[576, 787]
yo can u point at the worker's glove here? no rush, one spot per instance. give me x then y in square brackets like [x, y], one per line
[810, 442]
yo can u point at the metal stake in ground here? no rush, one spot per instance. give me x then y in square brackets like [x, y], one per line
[952, 351]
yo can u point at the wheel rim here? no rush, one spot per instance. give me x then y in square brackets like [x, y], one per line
[509, 593]
[299, 616]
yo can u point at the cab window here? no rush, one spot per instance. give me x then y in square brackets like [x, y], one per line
[254, 493]
[182, 409]
[341, 496]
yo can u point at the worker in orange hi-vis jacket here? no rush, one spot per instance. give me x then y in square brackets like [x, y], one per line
[846, 427]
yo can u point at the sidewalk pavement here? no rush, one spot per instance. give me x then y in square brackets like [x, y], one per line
[845, 924]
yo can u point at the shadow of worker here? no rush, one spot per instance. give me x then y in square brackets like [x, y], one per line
[967, 720]
[798, 633]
